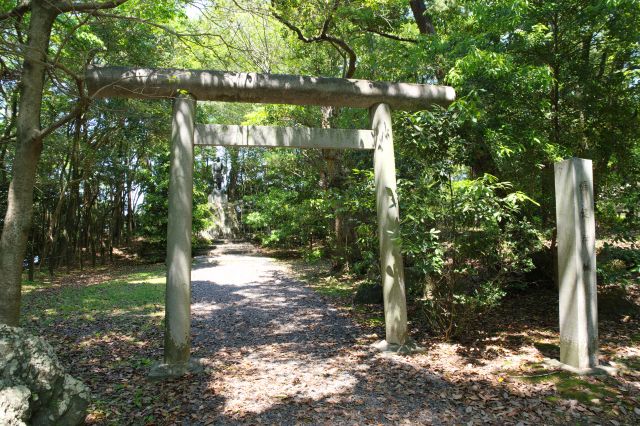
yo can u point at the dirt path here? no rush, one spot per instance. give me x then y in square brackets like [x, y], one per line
[279, 354]
[271, 339]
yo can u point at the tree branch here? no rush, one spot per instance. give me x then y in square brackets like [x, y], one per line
[24, 6]
[68, 37]
[69, 6]
[327, 21]
[80, 107]
[17, 12]
[334, 41]
[351, 68]
[390, 36]
[153, 24]
[295, 29]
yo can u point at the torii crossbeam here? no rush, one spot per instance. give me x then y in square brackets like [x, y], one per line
[187, 86]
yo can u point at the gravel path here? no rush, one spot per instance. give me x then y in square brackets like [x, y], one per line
[280, 354]
[277, 352]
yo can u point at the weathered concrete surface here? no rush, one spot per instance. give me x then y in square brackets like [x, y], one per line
[34, 388]
[576, 263]
[284, 137]
[262, 88]
[391, 265]
[177, 342]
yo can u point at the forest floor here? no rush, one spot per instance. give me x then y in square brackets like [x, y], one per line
[283, 344]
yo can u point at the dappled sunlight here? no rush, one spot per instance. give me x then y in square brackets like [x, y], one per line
[155, 280]
[280, 377]
[261, 330]
[109, 339]
[275, 351]
[203, 308]
[30, 286]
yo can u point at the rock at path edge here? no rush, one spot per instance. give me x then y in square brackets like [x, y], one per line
[34, 389]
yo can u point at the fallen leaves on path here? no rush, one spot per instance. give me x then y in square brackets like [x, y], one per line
[277, 352]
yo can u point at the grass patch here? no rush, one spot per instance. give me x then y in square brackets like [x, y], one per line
[317, 275]
[632, 363]
[570, 386]
[333, 287]
[549, 350]
[368, 316]
[373, 321]
[37, 284]
[140, 293]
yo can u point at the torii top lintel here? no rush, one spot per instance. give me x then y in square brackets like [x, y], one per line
[262, 88]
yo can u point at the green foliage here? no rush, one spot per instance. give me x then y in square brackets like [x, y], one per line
[334, 287]
[467, 238]
[535, 82]
[154, 208]
[570, 387]
[619, 264]
[285, 218]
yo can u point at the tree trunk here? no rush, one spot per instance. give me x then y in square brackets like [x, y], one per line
[30, 266]
[70, 224]
[423, 20]
[3, 168]
[10, 119]
[118, 206]
[333, 179]
[13, 243]
[234, 164]
[555, 90]
[50, 242]
[129, 207]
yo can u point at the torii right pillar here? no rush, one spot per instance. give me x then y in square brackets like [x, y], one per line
[577, 264]
[391, 266]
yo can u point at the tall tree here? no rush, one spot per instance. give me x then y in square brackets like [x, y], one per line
[29, 138]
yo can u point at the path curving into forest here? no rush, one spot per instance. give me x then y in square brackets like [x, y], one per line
[279, 353]
[280, 332]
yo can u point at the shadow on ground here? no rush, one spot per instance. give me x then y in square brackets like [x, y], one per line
[278, 353]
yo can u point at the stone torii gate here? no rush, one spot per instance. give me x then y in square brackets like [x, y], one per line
[187, 86]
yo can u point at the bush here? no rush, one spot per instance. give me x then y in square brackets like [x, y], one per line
[619, 264]
[464, 231]
[471, 244]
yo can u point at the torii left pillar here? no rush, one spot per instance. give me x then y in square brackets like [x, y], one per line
[177, 336]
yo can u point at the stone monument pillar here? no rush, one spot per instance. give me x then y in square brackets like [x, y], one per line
[576, 263]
